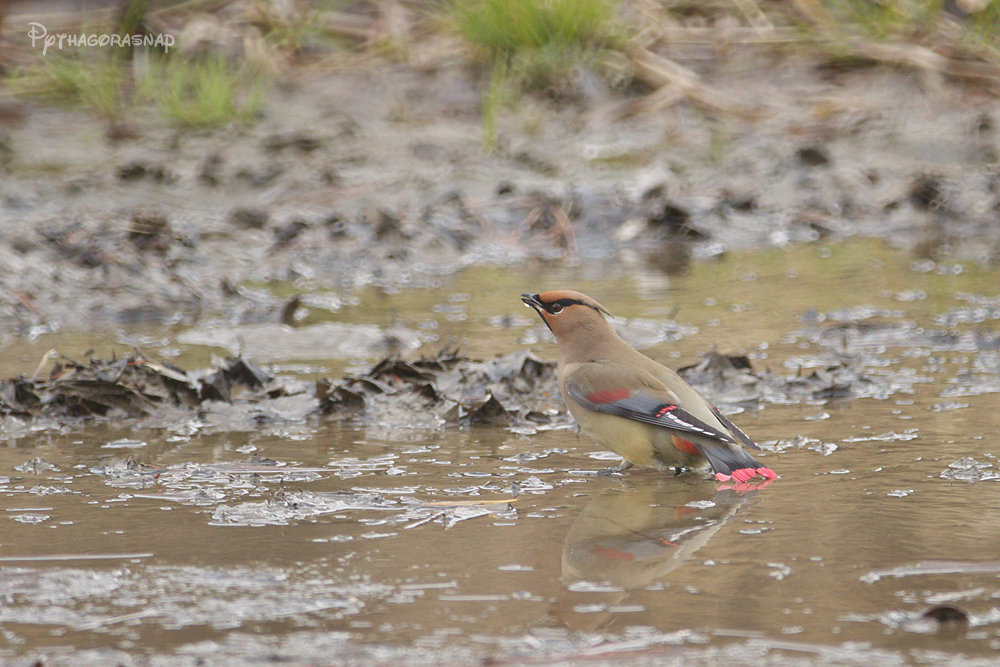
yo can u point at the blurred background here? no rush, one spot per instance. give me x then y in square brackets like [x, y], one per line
[261, 160]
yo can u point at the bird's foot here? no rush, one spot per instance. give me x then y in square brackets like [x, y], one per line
[625, 465]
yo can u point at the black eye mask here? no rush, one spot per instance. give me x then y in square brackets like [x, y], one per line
[562, 303]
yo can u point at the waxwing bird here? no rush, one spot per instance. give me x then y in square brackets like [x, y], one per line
[628, 403]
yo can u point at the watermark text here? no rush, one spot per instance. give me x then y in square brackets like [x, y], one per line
[38, 34]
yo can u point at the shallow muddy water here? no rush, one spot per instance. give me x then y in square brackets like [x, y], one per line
[322, 542]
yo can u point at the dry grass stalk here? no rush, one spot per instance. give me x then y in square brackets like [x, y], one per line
[755, 16]
[395, 21]
[677, 35]
[911, 55]
[933, 64]
[661, 72]
[564, 230]
[347, 25]
[815, 12]
[183, 9]
[929, 63]
[660, 99]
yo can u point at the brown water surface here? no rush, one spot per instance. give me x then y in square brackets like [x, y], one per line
[378, 543]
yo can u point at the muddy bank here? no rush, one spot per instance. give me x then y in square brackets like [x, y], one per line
[379, 177]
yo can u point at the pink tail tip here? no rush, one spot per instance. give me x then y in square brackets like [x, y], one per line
[744, 474]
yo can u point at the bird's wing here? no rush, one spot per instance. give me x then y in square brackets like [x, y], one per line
[600, 388]
[639, 396]
[744, 439]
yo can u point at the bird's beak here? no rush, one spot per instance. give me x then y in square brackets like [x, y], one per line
[532, 301]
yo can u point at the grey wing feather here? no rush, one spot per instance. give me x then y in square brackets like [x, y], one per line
[735, 430]
[649, 408]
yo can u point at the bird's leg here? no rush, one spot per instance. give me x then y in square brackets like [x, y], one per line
[625, 465]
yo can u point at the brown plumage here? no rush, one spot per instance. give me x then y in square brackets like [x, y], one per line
[628, 403]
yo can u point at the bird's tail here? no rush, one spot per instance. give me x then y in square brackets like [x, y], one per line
[732, 462]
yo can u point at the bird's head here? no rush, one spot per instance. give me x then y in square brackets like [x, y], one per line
[568, 314]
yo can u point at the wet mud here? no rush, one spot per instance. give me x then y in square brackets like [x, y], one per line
[332, 190]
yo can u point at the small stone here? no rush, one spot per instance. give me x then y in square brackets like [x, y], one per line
[813, 156]
[925, 192]
[249, 218]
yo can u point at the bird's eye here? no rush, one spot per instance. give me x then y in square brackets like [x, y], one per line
[555, 309]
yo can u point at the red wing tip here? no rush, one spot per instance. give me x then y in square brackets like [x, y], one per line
[767, 473]
[722, 477]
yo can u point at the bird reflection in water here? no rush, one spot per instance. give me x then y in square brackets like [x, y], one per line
[634, 535]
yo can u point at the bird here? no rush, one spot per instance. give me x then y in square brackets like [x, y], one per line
[632, 405]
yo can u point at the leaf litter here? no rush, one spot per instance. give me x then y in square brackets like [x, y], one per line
[517, 390]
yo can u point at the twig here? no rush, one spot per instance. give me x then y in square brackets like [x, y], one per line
[529, 222]
[658, 100]
[48, 356]
[432, 517]
[463, 503]
[486, 223]
[159, 368]
[27, 303]
[565, 229]
[532, 217]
